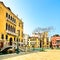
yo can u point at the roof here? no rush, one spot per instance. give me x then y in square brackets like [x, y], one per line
[8, 8]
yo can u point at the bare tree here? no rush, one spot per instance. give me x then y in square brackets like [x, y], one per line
[39, 32]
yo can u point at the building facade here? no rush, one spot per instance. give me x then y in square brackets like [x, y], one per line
[25, 39]
[55, 41]
[39, 40]
[45, 40]
[33, 42]
[11, 27]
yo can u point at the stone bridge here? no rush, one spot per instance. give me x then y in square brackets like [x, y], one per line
[5, 49]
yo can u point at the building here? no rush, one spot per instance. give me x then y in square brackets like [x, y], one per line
[33, 42]
[55, 41]
[25, 42]
[45, 40]
[11, 27]
[40, 40]
[25, 39]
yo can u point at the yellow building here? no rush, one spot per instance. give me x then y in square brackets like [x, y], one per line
[45, 39]
[11, 27]
[39, 40]
[34, 42]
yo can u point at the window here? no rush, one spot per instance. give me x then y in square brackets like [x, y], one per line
[11, 28]
[19, 39]
[6, 26]
[15, 21]
[6, 14]
[58, 41]
[22, 34]
[53, 42]
[14, 30]
[18, 32]
[22, 25]
[12, 19]
[2, 36]
[19, 24]
[6, 37]
[14, 38]
[9, 16]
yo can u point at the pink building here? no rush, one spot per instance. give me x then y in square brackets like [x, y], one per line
[55, 41]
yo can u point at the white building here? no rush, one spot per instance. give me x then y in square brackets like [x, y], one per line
[25, 39]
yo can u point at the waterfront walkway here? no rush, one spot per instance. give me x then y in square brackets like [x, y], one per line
[47, 55]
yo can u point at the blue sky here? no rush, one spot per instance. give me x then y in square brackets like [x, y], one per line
[37, 13]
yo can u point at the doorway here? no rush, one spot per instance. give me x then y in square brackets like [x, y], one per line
[10, 41]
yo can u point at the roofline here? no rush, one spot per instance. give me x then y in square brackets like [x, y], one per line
[11, 11]
[33, 37]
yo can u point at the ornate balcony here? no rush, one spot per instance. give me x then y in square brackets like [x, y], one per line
[9, 32]
[10, 21]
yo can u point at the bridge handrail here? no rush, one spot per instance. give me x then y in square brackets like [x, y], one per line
[6, 47]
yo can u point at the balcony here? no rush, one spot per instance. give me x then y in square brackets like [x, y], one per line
[32, 42]
[9, 32]
[10, 21]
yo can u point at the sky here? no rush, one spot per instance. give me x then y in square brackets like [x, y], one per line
[37, 13]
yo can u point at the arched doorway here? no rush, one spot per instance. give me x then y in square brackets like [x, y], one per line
[1, 45]
[10, 41]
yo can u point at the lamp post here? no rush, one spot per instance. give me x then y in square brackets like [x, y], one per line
[17, 49]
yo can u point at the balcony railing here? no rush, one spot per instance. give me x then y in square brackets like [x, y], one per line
[10, 21]
[9, 32]
[32, 42]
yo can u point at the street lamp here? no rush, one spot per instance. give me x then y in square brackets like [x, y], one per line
[17, 49]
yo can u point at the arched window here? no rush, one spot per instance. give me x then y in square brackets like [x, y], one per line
[14, 29]
[12, 19]
[6, 14]
[10, 28]
[19, 24]
[6, 37]
[17, 39]
[2, 36]
[6, 26]
[9, 16]
[14, 38]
